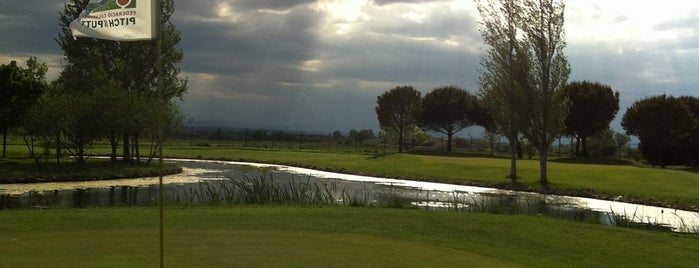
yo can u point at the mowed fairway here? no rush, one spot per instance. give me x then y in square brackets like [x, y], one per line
[325, 237]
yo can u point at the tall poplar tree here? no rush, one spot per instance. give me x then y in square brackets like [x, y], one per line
[548, 108]
[524, 72]
[504, 77]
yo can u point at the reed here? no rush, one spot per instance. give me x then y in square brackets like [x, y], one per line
[636, 222]
[262, 191]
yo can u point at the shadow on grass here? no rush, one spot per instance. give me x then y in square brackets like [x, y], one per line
[684, 168]
[593, 161]
[440, 154]
[377, 156]
[454, 154]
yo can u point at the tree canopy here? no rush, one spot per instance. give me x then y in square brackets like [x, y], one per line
[19, 90]
[129, 73]
[398, 111]
[592, 107]
[448, 110]
[667, 128]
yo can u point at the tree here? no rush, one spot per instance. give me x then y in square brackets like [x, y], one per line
[603, 144]
[664, 126]
[44, 123]
[692, 136]
[398, 111]
[359, 137]
[133, 66]
[504, 78]
[592, 106]
[448, 110]
[621, 141]
[366, 134]
[354, 137]
[19, 90]
[337, 136]
[492, 139]
[86, 98]
[544, 37]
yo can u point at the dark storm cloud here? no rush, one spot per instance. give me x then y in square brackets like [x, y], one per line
[439, 24]
[257, 42]
[401, 61]
[442, 51]
[29, 26]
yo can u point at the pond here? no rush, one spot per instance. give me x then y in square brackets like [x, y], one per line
[205, 182]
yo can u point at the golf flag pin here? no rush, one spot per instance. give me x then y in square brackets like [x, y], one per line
[118, 20]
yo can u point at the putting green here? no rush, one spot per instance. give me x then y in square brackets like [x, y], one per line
[228, 248]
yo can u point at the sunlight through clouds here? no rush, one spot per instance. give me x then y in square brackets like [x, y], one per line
[274, 62]
[343, 15]
[226, 12]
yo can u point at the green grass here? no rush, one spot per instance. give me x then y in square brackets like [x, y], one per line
[23, 170]
[326, 237]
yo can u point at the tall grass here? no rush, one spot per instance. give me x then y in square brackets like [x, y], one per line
[262, 191]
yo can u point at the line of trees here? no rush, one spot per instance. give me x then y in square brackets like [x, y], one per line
[524, 91]
[403, 113]
[106, 90]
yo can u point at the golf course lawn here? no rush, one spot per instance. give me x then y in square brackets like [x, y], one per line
[330, 236]
[287, 236]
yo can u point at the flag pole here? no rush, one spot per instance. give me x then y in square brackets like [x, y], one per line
[160, 104]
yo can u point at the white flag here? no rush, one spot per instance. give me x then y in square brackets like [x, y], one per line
[119, 20]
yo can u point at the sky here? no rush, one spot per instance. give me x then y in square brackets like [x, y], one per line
[318, 65]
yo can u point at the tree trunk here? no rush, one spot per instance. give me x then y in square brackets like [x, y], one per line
[136, 149]
[113, 142]
[584, 146]
[127, 149]
[4, 141]
[400, 140]
[577, 146]
[513, 157]
[80, 150]
[58, 147]
[449, 142]
[543, 154]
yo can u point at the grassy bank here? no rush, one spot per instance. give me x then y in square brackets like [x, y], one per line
[25, 170]
[638, 184]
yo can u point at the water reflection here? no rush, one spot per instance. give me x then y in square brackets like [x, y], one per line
[214, 182]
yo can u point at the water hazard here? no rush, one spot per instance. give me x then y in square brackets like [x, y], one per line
[204, 182]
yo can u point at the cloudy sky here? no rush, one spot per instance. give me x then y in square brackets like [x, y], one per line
[318, 65]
